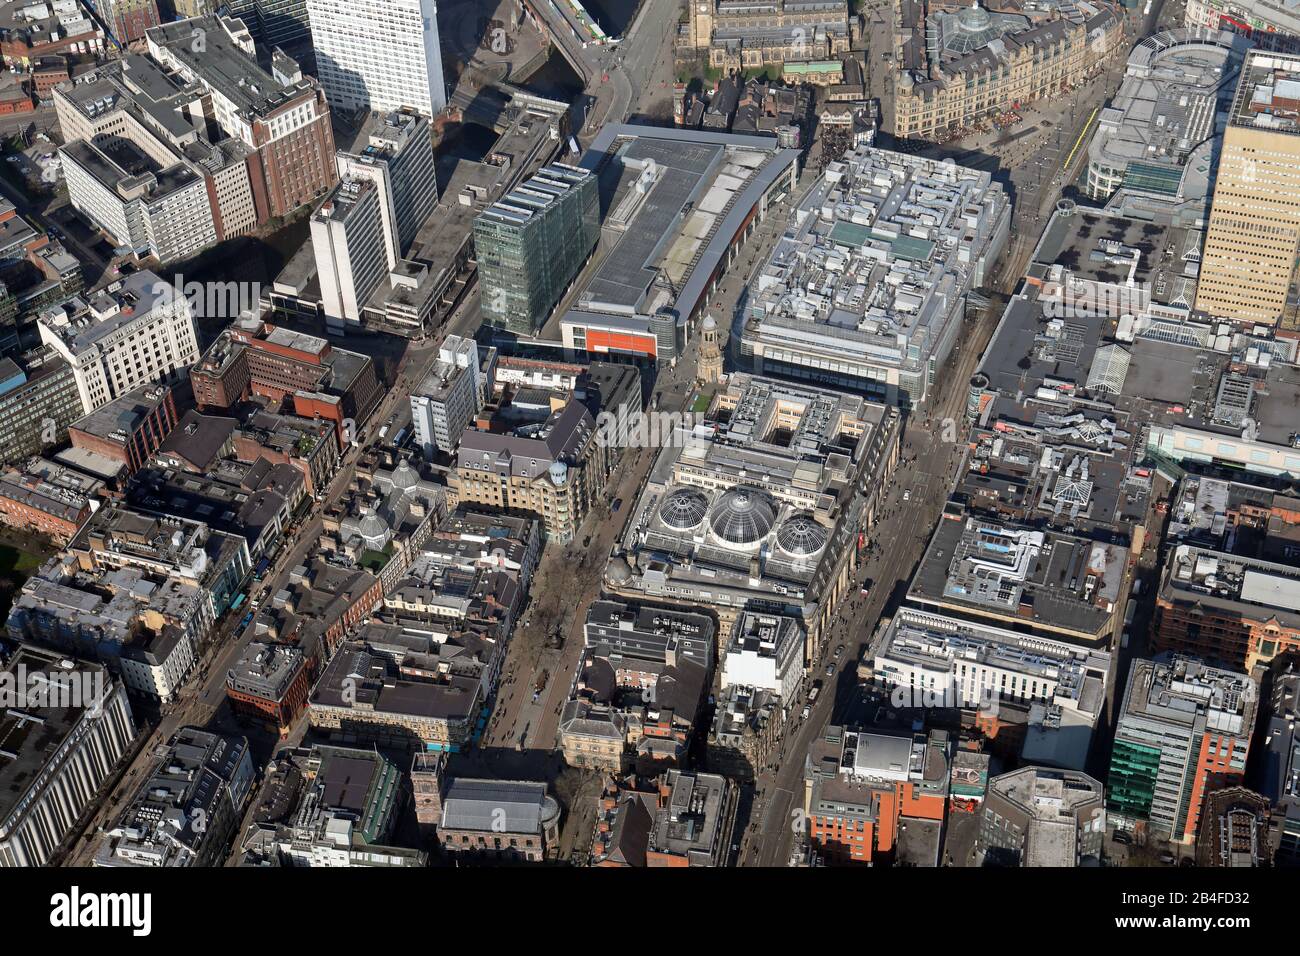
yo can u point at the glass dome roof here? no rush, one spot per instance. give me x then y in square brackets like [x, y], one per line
[973, 19]
[743, 516]
[372, 528]
[684, 508]
[972, 28]
[801, 535]
[405, 477]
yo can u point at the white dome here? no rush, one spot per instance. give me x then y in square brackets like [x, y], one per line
[618, 571]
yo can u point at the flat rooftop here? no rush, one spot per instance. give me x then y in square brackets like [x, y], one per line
[672, 200]
[1098, 246]
[265, 670]
[650, 633]
[224, 67]
[1268, 96]
[122, 168]
[30, 737]
[875, 262]
[119, 419]
[83, 324]
[1034, 579]
[938, 642]
[1173, 101]
[1184, 692]
[1234, 585]
[379, 692]
[345, 199]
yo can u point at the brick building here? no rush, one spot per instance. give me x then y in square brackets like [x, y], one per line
[48, 72]
[1232, 609]
[128, 429]
[43, 31]
[269, 683]
[680, 819]
[309, 444]
[281, 116]
[861, 786]
[30, 503]
[304, 372]
[129, 19]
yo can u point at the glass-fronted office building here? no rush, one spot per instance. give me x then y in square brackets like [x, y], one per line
[532, 243]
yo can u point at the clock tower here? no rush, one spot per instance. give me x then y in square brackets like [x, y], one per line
[701, 23]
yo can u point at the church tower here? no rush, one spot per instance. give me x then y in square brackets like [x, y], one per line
[701, 21]
[710, 359]
[427, 782]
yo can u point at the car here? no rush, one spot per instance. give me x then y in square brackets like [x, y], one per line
[1123, 836]
[1167, 858]
[839, 650]
[830, 670]
[907, 495]
[618, 503]
[805, 713]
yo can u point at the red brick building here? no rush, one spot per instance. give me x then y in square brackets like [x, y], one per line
[863, 786]
[48, 72]
[270, 683]
[129, 429]
[14, 97]
[29, 503]
[32, 39]
[1229, 609]
[283, 118]
[129, 19]
[257, 358]
[309, 444]
[296, 166]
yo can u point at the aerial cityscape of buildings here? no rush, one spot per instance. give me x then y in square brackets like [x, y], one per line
[711, 433]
